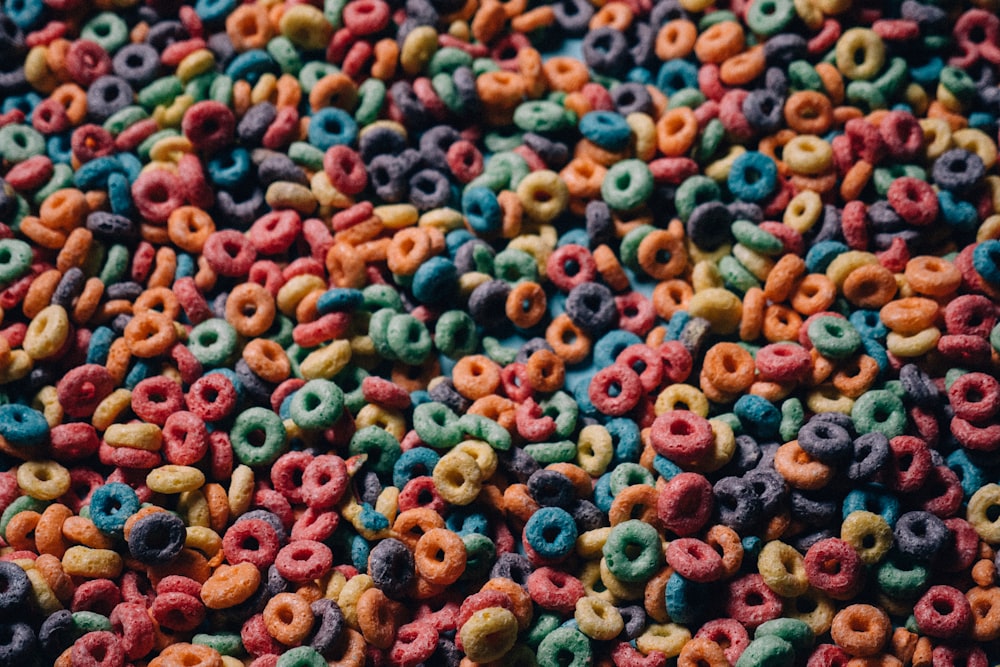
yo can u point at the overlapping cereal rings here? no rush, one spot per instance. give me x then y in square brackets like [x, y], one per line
[372, 332]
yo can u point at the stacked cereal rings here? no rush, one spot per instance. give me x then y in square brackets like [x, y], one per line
[457, 332]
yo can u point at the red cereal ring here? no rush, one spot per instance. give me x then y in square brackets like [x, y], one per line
[250, 541]
[287, 473]
[324, 481]
[783, 362]
[97, 595]
[86, 62]
[636, 313]
[156, 398]
[970, 314]
[258, 641]
[185, 438]
[682, 436]
[131, 623]
[415, 643]
[902, 135]
[914, 200]
[975, 397]
[302, 561]
[212, 397]
[464, 160]
[685, 503]
[909, 463]
[750, 602]
[315, 524]
[514, 378]
[195, 186]
[834, 567]
[555, 590]
[274, 502]
[570, 265]
[695, 560]
[365, 17]
[962, 550]
[30, 174]
[421, 492]
[97, 649]
[382, 392]
[532, 424]
[729, 634]
[72, 442]
[229, 253]
[943, 611]
[209, 125]
[82, 389]
[91, 141]
[273, 233]
[345, 168]
[828, 655]
[156, 194]
[615, 390]
[50, 117]
[482, 600]
[677, 361]
[645, 361]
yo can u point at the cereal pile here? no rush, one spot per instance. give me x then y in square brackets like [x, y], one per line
[456, 332]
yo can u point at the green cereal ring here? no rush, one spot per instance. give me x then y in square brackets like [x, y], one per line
[480, 555]
[793, 416]
[957, 82]
[281, 331]
[543, 626]
[563, 643]
[95, 259]
[378, 331]
[444, 86]
[317, 405]
[115, 264]
[23, 210]
[226, 643]
[541, 116]
[19, 142]
[902, 580]
[20, 504]
[865, 95]
[629, 247]
[633, 551]
[333, 12]
[162, 91]
[564, 411]
[221, 90]
[795, 632]
[107, 30]
[803, 76]
[409, 339]
[447, 60]
[482, 66]
[200, 86]
[512, 164]
[995, 338]
[437, 425]
[296, 355]
[272, 444]
[769, 17]
[513, 266]
[502, 139]
[951, 375]
[563, 451]
[756, 239]
[301, 656]
[306, 155]
[869, 535]
[380, 446]
[735, 275]
[455, 334]
[381, 296]
[694, 191]
[895, 387]
[629, 474]
[709, 142]
[62, 177]
[980, 512]
[768, 651]
[497, 352]
[833, 337]
[212, 342]
[90, 621]
[485, 429]
[15, 259]
[730, 419]
[686, 97]
[285, 54]
[893, 79]
[147, 145]
[371, 97]
[312, 72]
[883, 177]
[349, 380]
[713, 18]
[881, 411]
[627, 185]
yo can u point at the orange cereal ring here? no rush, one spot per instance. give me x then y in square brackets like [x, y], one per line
[36, 231]
[188, 227]
[440, 556]
[725, 539]
[861, 629]
[799, 469]
[583, 177]
[781, 323]
[160, 299]
[654, 595]
[546, 371]
[909, 316]
[518, 502]
[410, 248]
[567, 340]
[476, 376]
[932, 276]
[150, 334]
[48, 532]
[635, 502]
[288, 618]
[345, 267]
[855, 377]
[870, 286]
[267, 359]
[721, 41]
[808, 112]
[564, 74]
[40, 292]
[833, 81]
[64, 209]
[230, 585]
[670, 296]
[729, 367]
[985, 603]
[615, 15]
[814, 294]
[742, 68]
[752, 317]
[20, 533]
[187, 655]
[501, 410]
[250, 309]
[676, 39]
[379, 618]
[662, 255]
[702, 652]
[676, 131]
[534, 19]
[411, 525]
[856, 179]
[610, 269]
[249, 27]
[526, 305]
